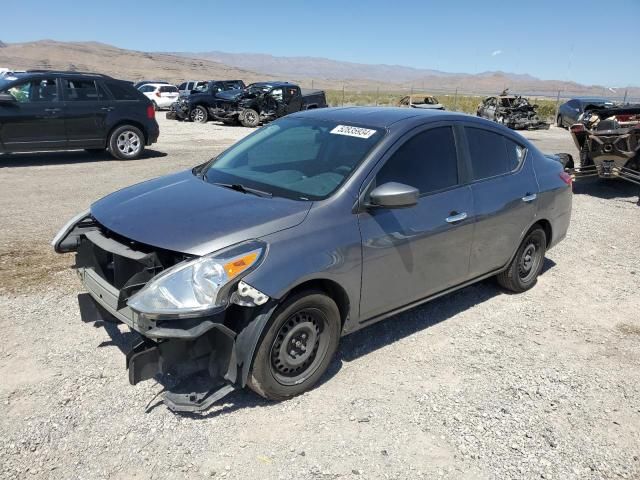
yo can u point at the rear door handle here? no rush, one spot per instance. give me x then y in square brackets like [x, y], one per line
[456, 217]
[52, 110]
[529, 197]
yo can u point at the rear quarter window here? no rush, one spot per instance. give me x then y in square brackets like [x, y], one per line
[122, 91]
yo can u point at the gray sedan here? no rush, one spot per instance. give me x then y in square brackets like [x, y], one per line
[248, 269]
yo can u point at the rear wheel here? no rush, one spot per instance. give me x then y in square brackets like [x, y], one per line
[522, 273]
[126, 142]
[250, 118]
[199, 114]
[298, 346]
[559, 121]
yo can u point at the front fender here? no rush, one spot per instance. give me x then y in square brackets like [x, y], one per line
[327, 247]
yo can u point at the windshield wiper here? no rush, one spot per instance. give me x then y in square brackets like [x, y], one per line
[238, 187]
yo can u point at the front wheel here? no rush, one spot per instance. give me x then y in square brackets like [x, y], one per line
[199, 114]
[522, 273]
[559, 121]
[296, 350]
[126, 142]
[250, 118]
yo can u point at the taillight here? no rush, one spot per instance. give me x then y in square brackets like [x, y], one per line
[151, 112]
[577, 128]
[566, 178]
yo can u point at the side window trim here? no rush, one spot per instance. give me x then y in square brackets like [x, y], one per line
[469, 161]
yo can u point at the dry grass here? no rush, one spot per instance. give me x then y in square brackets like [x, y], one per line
[457, 103]
[30, 267]
[629, 329]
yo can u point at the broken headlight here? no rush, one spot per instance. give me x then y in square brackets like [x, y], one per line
[200, 286]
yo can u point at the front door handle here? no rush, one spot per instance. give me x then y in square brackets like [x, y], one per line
[456, 217]
[529, 197]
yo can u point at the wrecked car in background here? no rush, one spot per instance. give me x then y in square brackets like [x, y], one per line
[421, 101]
[199, 104]
[265, 101]
[609, 143]
[512, 111]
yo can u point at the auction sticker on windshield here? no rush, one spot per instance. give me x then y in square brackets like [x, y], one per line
[353, 131]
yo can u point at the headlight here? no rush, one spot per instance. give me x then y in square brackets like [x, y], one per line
[199, 286]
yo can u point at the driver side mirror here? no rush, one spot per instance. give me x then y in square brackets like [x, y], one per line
[7, 98]
[394, 195]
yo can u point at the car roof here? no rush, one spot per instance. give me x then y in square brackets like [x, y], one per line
[271, 84]
[378, 117]
[158, 85]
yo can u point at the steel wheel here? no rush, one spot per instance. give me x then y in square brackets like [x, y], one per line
[530, 260]
[128, 143]
[522, 272]
[299, 346]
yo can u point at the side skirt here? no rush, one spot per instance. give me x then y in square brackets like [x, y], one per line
[409, 306]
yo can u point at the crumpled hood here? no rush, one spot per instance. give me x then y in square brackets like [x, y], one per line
[183, 213]
[230, 95]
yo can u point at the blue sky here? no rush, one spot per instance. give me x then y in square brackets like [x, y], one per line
[587, 41]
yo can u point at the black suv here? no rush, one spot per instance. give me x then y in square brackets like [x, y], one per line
[50, 110]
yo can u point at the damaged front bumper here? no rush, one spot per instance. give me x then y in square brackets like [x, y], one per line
[179, 110]
[210, 355]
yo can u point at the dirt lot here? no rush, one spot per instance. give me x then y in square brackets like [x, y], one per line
[479, 384]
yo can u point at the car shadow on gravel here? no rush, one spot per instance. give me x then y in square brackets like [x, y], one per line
[352, 347]
[606, 189]
[16, 160]
[407, 323]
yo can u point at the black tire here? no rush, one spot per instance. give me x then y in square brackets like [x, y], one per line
[566, 160]
[250, 118]
[559, 121]
[278, 373]
[522, 273]
[199, 114]
[126, 142]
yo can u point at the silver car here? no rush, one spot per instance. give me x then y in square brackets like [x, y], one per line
[248, 269]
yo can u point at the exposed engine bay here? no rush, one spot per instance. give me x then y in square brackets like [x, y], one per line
[512, 111]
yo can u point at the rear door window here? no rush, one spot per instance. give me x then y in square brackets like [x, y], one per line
[492, 154]
[428, 161]
[80, 90]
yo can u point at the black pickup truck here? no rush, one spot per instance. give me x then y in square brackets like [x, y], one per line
[265, 101]
[199, 106]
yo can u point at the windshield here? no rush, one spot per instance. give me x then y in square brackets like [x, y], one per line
[258, 88]
[7, 79]
[299, 158]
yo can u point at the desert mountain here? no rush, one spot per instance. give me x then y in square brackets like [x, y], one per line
[327, 71]
[319, 72]
[120, 63]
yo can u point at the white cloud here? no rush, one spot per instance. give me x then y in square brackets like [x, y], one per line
[496, 53]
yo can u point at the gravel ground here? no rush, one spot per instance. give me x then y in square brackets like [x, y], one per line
[477, 385]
